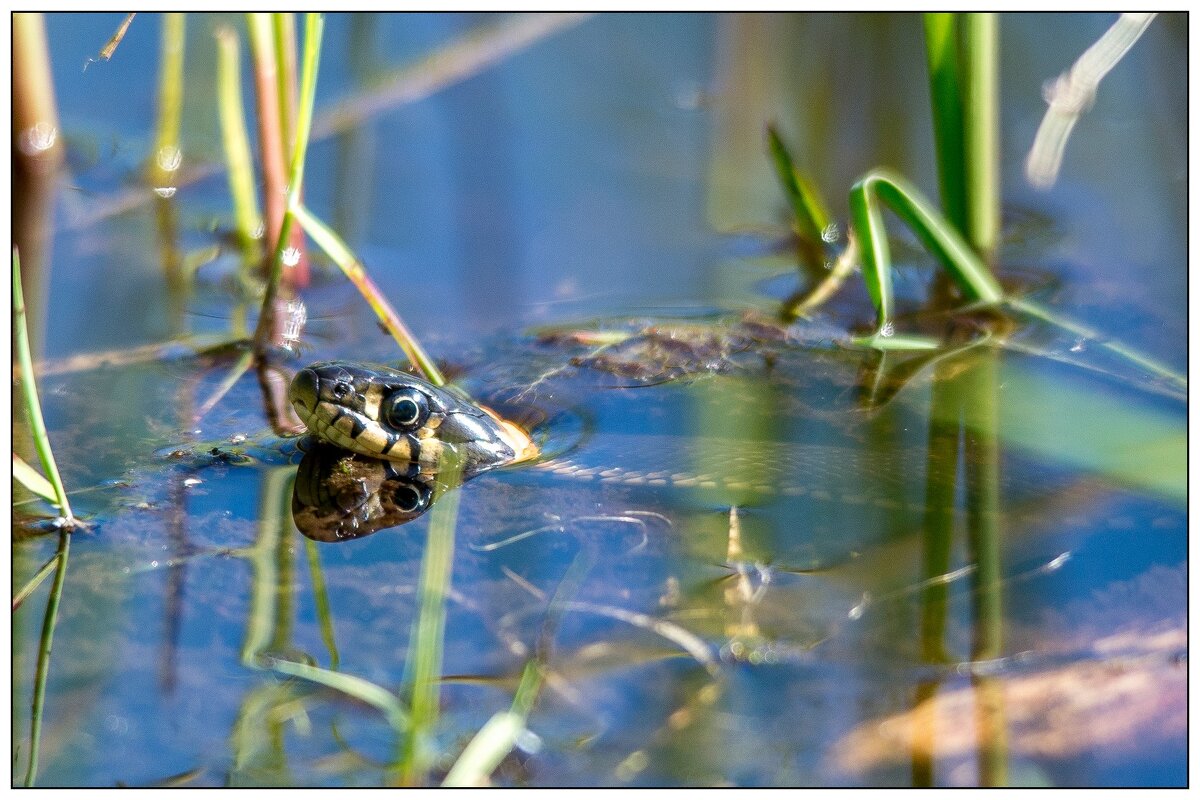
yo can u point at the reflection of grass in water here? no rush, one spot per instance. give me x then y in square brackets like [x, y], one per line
[67, 521]
[424, 666]
[268, 641]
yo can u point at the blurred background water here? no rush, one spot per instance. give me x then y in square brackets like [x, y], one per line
[614, 167]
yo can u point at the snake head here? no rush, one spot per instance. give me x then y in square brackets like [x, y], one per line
[380, 412]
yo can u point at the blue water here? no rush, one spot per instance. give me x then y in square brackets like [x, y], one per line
[597, 174]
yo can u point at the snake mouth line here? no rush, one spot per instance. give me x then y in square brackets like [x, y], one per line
[324, 425]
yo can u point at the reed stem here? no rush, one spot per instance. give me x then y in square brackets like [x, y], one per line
[35, 112]
[168, 156]
[314, 29]
[230, 110]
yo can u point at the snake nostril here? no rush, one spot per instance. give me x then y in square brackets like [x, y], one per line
[304, 390]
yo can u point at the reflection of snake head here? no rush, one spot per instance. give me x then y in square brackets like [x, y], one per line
[380, 412]
[340, 496]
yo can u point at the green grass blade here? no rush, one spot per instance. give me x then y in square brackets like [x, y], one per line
[236, 142]
[283, 28]
[32, 480]
[350, 685]
[353, 269]
[33, 406]
[810, 215]
[167, 153]
[981, 136]
[946, 96]
[424, 666]
[884, 187]
[314, 28]
[1128, 353]
[498, 736]
[867, 217]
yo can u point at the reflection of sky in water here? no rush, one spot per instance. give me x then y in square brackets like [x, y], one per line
[570, 181]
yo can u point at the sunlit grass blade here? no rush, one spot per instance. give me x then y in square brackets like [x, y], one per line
[502, 732]
[236, 143]
[687, 641]
[867, 198]
[341, 254]
[1072, 93]
[803, 303]
[322, 234]
[32, 480]
[33, 406]
[350, 685]
[981, 130]
[498, 736]
[810, 216]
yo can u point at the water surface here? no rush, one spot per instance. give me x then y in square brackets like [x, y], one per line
[753, 595]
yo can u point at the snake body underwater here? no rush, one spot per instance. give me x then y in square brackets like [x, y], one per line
[385, 436]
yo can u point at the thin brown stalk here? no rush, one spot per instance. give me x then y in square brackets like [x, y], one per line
[270, 136]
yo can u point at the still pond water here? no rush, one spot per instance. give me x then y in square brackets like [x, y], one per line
[727, 566]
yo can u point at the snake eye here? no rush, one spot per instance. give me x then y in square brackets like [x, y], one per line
[342, 390]
[407, 409]
[411, 498]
